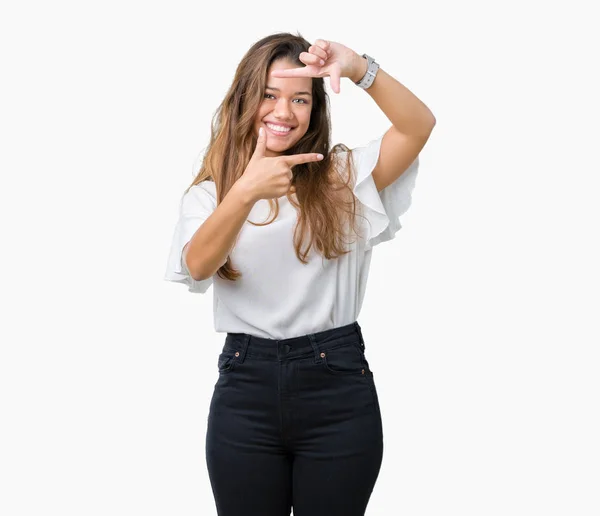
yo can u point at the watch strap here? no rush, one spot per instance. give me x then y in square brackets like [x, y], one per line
[371, 73]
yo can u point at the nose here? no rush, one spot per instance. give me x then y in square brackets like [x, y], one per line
[282, 111]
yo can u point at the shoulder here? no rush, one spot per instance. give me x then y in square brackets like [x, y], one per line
[207, 186]
[203, 189]
[203, 194]
[357, 158]
[341, 165]
[364, 155]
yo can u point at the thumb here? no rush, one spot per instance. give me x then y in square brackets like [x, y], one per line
[261, 144]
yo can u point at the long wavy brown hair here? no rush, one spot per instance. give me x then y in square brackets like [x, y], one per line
[325, 203]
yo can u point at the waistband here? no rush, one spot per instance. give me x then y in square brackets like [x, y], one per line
[295, 346]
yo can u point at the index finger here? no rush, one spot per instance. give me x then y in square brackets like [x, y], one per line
[303, 71]
[296, 159]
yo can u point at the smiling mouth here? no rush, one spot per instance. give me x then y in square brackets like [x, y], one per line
[279, 133]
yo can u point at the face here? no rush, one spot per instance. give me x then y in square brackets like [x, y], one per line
[283, 105]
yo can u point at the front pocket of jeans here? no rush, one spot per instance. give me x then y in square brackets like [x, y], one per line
[346, 359]
[226, 361]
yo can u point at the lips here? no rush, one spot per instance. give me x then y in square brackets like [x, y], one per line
[277, 123]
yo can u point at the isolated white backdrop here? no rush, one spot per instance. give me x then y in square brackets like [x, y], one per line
[480, 319]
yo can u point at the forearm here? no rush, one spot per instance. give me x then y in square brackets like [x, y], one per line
[212, 242]
[406, 112]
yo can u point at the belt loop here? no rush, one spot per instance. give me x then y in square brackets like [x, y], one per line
[245, 343]
[358, 329]
[315, 346]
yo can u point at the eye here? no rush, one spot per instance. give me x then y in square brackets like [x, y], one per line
[269, 95]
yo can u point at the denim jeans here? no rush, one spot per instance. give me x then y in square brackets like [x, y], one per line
[294, 423]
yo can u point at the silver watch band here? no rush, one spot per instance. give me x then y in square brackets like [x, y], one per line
[369, 77]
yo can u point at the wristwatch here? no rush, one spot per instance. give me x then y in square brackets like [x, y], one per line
[369, 77]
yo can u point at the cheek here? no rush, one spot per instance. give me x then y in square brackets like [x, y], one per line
[262, 112]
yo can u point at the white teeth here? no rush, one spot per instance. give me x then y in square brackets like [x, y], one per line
[279, 128]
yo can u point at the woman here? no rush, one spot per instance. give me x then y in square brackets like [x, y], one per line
[294, 420]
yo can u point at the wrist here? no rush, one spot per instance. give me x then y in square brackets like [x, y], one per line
[361, 66]
[243, 193]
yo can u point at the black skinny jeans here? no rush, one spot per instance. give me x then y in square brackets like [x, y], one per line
[294, 423]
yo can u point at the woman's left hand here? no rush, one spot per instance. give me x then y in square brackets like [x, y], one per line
[338, 61]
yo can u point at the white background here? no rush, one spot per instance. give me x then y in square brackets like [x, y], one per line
[480, 319]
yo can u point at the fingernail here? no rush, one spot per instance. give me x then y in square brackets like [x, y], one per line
[260, 131]
[319, 156]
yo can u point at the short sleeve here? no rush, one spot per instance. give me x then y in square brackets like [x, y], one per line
[195, 207]
[382, 210]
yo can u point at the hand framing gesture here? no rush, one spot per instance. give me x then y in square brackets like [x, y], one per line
[271, 177]
[325, 58]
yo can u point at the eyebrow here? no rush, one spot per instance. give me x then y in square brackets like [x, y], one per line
[297, 93]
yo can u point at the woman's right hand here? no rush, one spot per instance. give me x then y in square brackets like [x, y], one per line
[271, 177]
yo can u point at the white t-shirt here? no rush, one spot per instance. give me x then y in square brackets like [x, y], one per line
[277, 296]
